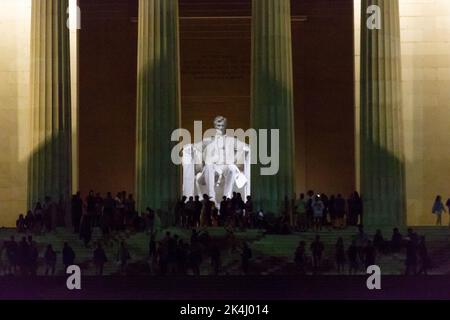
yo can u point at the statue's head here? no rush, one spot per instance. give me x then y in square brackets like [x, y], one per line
[220, 124]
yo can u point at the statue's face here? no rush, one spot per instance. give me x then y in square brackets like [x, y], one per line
[220, 124]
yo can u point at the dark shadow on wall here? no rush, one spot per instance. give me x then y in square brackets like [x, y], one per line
[50, 171]
[269, 191]
[382, 186]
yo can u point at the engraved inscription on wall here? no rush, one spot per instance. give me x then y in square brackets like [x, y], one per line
[215, 67]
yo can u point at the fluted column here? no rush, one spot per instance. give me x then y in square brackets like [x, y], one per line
[50, 164]
[382, 159]
[158, 104]
[272, 98]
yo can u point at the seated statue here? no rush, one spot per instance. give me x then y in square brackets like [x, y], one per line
[217, 166]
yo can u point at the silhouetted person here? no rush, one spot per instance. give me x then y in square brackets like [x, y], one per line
[50, 260]
[317, 248]
[195, 257]
[86, 230]
[12, 253]
[300, 219]
[49, 214]
[99, 259]
[21, 225]
[33, 256]
[438, 210]
[425, 262]
[369, 254]
[339, 207]
[38, 218]
[246, 255]
[379, 242]
[318, 208]
[215, 259]
[340, 255]
[448, 207]
[181, 257]
[249, 213]
[361, 241]
[300, 257]
[68, 256]
[162, 257]
[352, 254]
[179, 212]
[197, 211]
[23, 257]
[172, 243]
[77, 211]
[411, 258]
[123, 256]
[396, 241]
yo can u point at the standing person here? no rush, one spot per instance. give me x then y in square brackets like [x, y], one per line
[353, 258]
[448, 207]
[318, 211]
[411, 258]
[123, 256]
[23, 257]
[358, 207]
[438, 209]
[301, 222]
[215, 259]
[325, 211]
[90, 207]
[50, 261]
[206, 213]
[340, 255]
[309, 210]
[249, 214]
[179, 212]
[189, 210]
[424, 258]
[77, 211]
[339, 207]
[369, 254]
[3, 260]
[300, 257]
[12, 253]
[332, 211]
[197, 212]
[317, 250]
[223, 212]
[246, 255]
[33, 256]
[99, 259]
[68, 256]
[49, 214]
[38, 218]
[86, 229]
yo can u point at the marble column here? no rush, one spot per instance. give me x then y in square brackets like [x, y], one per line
[158, 104]
[272, 99]
[382, 158]
[50, 163]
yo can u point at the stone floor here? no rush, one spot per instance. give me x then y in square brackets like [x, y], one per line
[272, 254]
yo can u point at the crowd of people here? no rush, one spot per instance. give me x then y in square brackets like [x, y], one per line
[364, 250]
[311, 212]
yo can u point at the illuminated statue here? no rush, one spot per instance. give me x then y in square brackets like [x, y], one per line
[217, 166]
